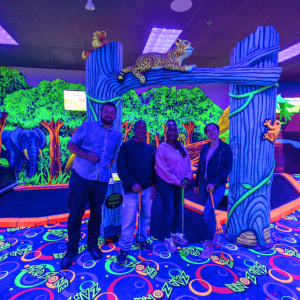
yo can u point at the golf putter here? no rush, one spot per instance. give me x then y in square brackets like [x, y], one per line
[140, 207]
[213, 206]
[182, 213]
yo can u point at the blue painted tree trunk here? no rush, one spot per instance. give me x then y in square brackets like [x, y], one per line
[249, 220]
[100, 66]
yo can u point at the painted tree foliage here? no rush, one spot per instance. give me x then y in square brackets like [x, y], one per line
[10, 81]
[182, 105]
[43, 107]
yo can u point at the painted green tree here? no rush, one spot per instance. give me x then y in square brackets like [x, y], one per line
[10, 81]
[182, 105]
[43, 107]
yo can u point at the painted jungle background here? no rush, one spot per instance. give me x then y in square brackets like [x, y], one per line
[35, 128]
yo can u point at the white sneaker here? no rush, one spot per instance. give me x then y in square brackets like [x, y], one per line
[169, 244]
[179, 239]
[208, 251]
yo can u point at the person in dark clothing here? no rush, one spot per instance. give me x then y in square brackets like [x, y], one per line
[214, 166]
[136, 169]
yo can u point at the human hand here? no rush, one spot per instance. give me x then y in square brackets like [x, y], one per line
[183, 183]
[153, 189]
[210, 187]
[188, 181]
[137, 188]
[196, 190]
[92, 157]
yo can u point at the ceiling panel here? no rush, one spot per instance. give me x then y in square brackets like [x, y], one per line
[53, 34]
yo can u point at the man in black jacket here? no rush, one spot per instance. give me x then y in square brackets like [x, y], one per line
[136, 168]
[214, 166]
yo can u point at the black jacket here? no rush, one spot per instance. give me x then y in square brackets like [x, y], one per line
[219, 165]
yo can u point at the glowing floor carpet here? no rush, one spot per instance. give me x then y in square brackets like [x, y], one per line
[30, 269]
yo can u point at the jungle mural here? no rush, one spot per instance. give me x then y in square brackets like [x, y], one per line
[36, 128]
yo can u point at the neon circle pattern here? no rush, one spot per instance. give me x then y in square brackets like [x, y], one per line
[19, 277]
[290, 277]
[108, 268]
[204, 278]
[200, 293]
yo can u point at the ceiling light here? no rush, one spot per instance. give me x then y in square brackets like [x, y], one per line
[5, 38]
[181, 5]
[160, 40]
[289, 52]
[90, 5]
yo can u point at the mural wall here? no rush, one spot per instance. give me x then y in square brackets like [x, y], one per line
[36, 116]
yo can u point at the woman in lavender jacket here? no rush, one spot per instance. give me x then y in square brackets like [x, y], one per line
[173, 167]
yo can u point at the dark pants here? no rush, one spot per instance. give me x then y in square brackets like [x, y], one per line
[171, 195]
[208, 214]
[83, 191]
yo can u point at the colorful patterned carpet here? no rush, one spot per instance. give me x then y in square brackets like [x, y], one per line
[30, 269]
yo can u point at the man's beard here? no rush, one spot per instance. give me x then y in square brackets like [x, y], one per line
[105, 122]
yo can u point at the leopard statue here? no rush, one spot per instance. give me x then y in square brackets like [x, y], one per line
[171, 60]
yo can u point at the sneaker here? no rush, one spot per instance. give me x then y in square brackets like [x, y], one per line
[122, 257]
[179, 239]
[144, 245]
[169, 244]
[215, 242]
[208, 251]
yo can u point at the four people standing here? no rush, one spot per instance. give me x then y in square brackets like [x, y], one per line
[96, 146]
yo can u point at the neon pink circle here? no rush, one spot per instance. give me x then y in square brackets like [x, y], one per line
[272, 264]
[112, 285]
[47, 290]
[45, 257]
[293, 229]
[216, 289]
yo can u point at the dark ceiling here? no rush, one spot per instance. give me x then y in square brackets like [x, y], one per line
[53, 33]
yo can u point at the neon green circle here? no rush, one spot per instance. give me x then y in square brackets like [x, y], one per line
[23, 245]
[172, 270]
[196, 263]
[18, 278]
[85, 282]
[1, 237]
[108, 263]
[274, 251]
[49, 232]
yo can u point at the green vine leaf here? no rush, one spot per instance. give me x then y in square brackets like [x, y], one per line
[246, 186]
[3, 147]
[4, 162]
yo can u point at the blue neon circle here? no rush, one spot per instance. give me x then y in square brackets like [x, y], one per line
[249, 260]
[172, 270]
[85, 282]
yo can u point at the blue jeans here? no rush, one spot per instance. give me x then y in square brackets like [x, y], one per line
[170, 195]
[129, 211]
[208, 214]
